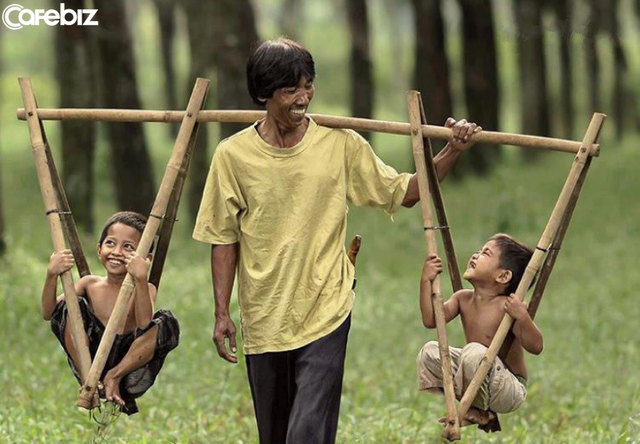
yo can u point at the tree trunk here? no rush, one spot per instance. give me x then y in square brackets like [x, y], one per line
[562, 10]
[131, 163]
[431, 69]
[480, 77]
[78, 138]
[3, 245]
[591, 54]
[533, 77]
[362, 87]
[199, 15]
[619, 68]
[291, 18]
[166, 19]
[236, 33]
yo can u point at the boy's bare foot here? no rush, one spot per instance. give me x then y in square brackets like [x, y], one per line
[464, 423]
[476, 416]
[112, 389]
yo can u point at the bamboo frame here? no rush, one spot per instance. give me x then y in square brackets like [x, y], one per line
[441, 213]
[420, 132]
[548, 235]
[359, 124]
[170, 218]
[53, 209]
[119, 313]
[68, 223]
[550, 260]
[452, 425]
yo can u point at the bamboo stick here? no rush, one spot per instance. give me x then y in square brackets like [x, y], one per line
[452, 424]
[354, 249]
[550, 260]
[360, 124]
[170, 218]
[68, 223]
[441, 213]
[74, 317]
[536, 260]
[119, 313]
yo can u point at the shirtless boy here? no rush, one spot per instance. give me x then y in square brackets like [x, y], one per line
[494, 272]
[146, 338]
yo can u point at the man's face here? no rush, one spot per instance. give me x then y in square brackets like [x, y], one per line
[288, 106]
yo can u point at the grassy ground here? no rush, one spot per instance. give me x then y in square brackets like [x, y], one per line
[583, 388]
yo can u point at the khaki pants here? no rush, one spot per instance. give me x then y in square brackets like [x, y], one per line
[500, 391]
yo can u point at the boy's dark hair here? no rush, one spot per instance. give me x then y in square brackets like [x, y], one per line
[128, 218]
[514, 256]
[275, 64]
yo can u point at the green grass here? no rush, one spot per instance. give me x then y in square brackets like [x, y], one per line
[583, 388]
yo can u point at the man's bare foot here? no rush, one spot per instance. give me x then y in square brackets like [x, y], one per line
[112, 389]
[476, 416]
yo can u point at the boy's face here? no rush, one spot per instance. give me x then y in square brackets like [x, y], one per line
[120, 242]
[484, 266]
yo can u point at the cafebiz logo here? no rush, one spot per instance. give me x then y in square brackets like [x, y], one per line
[15, 17]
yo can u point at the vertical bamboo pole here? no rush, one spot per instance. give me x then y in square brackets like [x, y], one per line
[68, 223]
[119, 313]
[548, 235]
[452, 424]
[170, 217]
[74, 317]
[438, 203]
[550, 260]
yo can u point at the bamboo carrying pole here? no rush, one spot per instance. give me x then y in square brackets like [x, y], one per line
[52, 208]
[550, 260]
[359, 124]
[452, 424]
[119, 313]
[171, 214]
[441, 213]
[548, 235]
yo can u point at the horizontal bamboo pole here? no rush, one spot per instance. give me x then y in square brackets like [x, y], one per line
[360, 124]
[534, 264]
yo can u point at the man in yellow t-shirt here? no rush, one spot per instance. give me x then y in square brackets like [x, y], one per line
[275, 208]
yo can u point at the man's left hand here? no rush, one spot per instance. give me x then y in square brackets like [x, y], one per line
[462, 133]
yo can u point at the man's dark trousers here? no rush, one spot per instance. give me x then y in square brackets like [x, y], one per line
[296, 393]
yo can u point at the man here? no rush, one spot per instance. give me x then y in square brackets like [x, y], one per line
[274, 207]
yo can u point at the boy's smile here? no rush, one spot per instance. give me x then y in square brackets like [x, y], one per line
[121, 241]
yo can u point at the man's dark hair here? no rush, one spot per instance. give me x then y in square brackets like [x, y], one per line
[514, 256]
[275, 64]
[128, 218]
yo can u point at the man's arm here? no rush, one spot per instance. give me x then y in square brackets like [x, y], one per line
[524, 328]
[461, 140]
[224, 260]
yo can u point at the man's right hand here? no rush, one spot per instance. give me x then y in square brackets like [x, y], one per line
[225, 328]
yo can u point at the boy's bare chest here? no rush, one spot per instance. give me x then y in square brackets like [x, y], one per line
[481, 320]
[102, 305]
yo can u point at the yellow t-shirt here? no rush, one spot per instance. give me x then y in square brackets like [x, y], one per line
[287, 208]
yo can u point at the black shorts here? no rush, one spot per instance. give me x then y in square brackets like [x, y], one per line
[136, 383]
